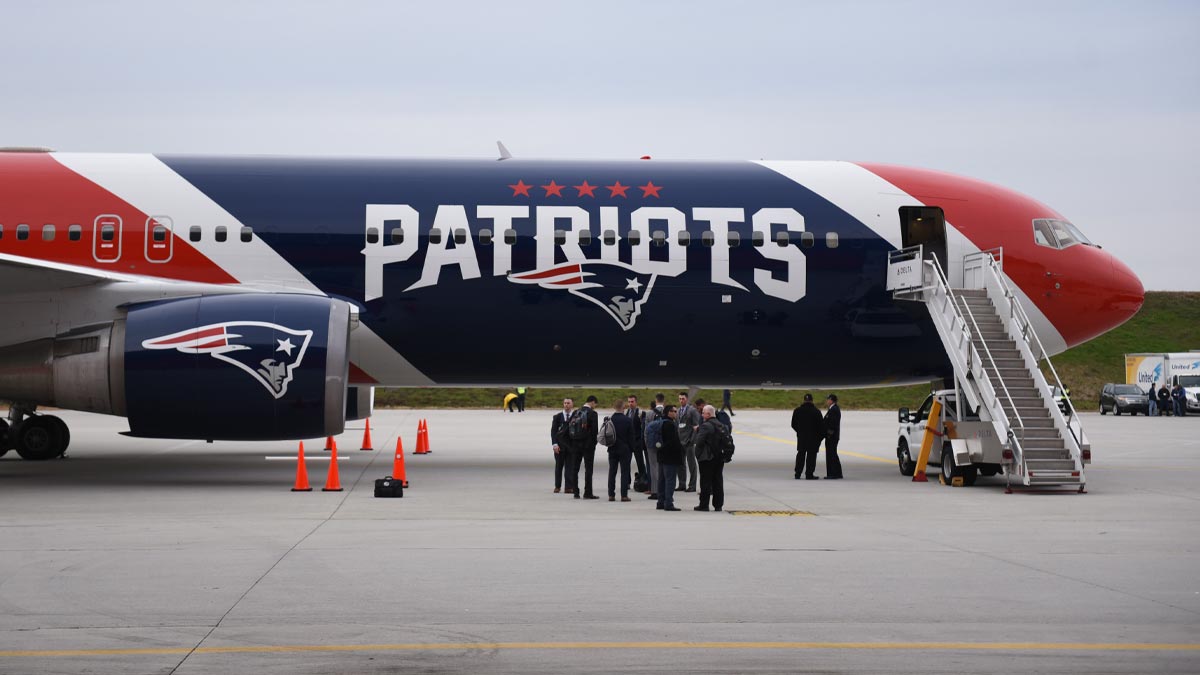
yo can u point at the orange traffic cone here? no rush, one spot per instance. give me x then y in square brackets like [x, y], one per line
[428, 449]
[398, 463]
[421, 439]
[301, 473]
[366, 446]
[328, 443]
[332, 483]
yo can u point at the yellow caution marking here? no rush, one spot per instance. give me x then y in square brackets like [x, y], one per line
[472, 646]
[793, 444]
[771, 513]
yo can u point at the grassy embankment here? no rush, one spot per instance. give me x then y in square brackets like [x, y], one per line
[1168, 322]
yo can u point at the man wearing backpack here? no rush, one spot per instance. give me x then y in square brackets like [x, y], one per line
[618, 436]
[710, 443]
[583, 438]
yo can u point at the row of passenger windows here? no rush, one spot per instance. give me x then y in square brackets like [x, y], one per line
[109, 232]
[609, 237]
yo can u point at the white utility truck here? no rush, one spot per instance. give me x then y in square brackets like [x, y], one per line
[966, 447]
[1169, 368]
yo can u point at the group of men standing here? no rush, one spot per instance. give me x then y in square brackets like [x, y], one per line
[811, 429]
[669, 445]
[1170, 401]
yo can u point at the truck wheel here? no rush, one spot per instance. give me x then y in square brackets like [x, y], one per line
[907, 466]
[949, 469]
[969, 474]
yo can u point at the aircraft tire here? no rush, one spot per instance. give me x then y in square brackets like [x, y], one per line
[907, 466]
[64, 432]
[38, 439]
[4, 446]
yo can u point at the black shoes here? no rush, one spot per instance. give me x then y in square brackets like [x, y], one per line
[699, 508]
[576, 495]
[590, 497]
[660, 507]
[833, 477]
[690, 490]
[812, 478]
[670, 508]
[612, 499]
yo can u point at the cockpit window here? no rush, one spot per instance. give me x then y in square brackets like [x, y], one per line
[1059, 234]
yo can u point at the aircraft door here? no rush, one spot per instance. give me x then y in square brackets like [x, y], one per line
[925, 225]
[160, 243]
[106, 238]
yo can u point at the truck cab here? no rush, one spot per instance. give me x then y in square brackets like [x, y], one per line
[967, 447]
[1191, 388]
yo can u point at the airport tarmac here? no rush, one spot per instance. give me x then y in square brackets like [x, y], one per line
[146, 556]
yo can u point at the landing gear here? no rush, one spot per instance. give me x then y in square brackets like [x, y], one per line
[35, 437]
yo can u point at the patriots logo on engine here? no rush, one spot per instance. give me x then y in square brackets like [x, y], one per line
[614, 286]
[255, 347]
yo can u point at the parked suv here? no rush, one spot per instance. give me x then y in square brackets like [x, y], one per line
[1121, 398]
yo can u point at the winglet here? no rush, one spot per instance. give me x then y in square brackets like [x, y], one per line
[504, 153]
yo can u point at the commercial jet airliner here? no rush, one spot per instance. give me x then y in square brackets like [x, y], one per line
[256, 298]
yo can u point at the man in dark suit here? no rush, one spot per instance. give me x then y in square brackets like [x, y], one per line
[585, 451]
[810, 431]
[561, 444]
[620, 452]
[833, 433]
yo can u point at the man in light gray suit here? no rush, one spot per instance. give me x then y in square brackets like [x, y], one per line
[688, 421]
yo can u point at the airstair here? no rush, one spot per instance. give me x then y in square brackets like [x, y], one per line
[995, 352]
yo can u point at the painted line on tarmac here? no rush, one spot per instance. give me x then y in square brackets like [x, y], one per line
[451, 646]
[793, 444]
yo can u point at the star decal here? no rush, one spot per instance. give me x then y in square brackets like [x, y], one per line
[520, 188]
[633, 284]
[650, 189]
[616, 189]
[586, 189]
[286, 346]
[553, 189]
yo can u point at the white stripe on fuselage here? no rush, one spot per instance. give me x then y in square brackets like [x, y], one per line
[875, 203]
[155, 189]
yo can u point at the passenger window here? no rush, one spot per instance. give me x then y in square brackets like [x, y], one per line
[757, 238]
[248, 235]
[1042, 234]
[610, 237]
[560, 237]
[734, 239]
[372, 235]
[585, 237]
[194, 233]
[634, 237]
[510, 237]
[831, 239]
[107, 232]
[707, 238]
[159, 234]
[460, 236]
[397, 235]
[75, 232]
[22, 232]
[807, 240]
[221, 234]
[47, 232]
[659, 237]
[685, 238]
[485, 237]
[435, 236]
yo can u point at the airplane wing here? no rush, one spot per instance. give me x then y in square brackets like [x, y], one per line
[24, 275]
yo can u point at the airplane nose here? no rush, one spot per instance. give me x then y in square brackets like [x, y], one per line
[1127, 293]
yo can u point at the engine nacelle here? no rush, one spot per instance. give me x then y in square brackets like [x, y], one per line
[237, 367]
[360, 402]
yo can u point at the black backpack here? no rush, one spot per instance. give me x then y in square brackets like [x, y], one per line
[725, 443]
[577, 428]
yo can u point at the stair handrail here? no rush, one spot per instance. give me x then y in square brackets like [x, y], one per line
[944, 284]
[1018, 312]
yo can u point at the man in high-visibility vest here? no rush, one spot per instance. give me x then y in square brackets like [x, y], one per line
[520, 399]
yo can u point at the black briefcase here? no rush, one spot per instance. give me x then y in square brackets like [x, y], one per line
[388, 487]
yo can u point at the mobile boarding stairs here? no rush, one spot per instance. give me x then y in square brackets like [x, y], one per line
[995, 352]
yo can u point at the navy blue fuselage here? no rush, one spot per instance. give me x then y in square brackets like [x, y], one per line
[686, 328]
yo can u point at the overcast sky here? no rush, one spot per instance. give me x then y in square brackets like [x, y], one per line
[1091, 107]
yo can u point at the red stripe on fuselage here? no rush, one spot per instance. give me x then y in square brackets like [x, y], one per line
[1091, 295]
[36, 190]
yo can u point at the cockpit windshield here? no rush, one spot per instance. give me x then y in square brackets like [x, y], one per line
[1060, 234]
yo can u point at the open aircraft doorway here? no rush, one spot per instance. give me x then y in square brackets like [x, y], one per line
[925, 225]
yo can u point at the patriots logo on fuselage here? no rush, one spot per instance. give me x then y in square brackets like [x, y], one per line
[614, 286]
[268, 352]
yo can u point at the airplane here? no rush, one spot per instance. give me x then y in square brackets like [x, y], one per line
[262, 298]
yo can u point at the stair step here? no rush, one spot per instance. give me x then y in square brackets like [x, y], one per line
[1054, 478]
[1055, 445]
[1037, 465]
[1046, 453]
